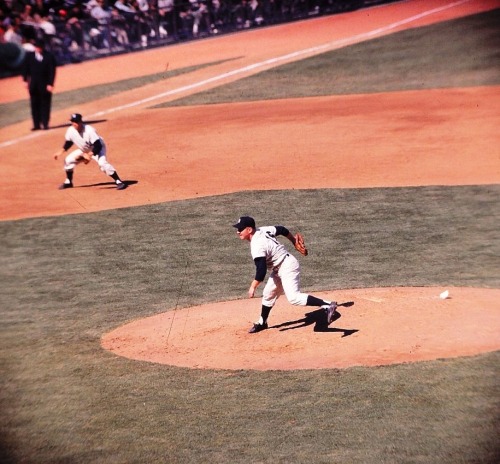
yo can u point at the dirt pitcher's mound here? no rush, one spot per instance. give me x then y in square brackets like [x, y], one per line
[374, 326]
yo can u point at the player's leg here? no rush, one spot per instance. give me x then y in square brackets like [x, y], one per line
[46, 101]
[35, 104]
[290, 277]
[272, 290]
[108, 168]
[70, 162]
[289, 273]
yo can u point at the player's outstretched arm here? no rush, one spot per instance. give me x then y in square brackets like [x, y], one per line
[58, 153]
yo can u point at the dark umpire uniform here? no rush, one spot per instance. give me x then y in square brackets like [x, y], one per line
[40, 73]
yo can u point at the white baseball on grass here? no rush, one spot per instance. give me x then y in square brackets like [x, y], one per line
[444, 295]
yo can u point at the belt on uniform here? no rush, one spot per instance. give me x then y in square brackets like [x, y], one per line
[275, 268]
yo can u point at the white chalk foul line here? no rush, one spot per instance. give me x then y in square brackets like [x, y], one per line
[272, 61]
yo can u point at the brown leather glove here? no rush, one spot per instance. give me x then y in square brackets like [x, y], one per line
[300, 245]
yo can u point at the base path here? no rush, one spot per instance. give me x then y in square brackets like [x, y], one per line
[373, 327]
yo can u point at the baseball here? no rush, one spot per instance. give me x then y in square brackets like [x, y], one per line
[444, 295]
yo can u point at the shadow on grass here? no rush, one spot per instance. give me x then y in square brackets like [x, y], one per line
[318, 318]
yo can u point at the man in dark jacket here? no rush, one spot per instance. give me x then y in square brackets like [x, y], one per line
[39, 75]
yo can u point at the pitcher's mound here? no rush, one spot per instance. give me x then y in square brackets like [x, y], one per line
[374, 326]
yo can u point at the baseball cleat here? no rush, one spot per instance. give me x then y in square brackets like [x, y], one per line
[330, 311]
[121, 186]
[65, 186]
[258, 328]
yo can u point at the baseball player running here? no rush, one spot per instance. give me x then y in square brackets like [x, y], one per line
[90, 146]
[269, 254]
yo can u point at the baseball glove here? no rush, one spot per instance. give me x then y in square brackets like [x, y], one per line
[86, 157]
[300, 244]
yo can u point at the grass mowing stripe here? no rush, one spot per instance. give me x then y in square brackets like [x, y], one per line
[458, 53]
[67, 280]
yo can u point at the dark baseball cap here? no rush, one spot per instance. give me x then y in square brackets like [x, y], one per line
[244, 222]
[76, 117]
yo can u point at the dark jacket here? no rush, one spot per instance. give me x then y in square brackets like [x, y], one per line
[40, 74]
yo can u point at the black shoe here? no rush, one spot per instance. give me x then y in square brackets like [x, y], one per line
[35, 128]
[258, 328]
[65, 186]
[121, 186]
[330, 311]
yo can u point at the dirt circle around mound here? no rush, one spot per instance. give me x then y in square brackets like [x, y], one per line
[373, 326]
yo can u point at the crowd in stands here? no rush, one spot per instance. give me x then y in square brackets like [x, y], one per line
[75, 30]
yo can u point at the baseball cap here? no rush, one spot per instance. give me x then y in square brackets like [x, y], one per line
[244, 222]
[76, 117]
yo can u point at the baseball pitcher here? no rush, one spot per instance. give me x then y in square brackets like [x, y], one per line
[269, 254]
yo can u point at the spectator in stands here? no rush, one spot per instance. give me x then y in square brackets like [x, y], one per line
[129, 12]
[193, 16]
[239, 14]
[119, 28]
[11, 54]
[92, 22]
[13, 32]
[100, 13]
[43, 8]
[126, 9]
[75, 29]
[99, 34]
[27, 14]
[255, 13]
[45, 28]
[218, 15]
[166, 18]
[144, 20]
[62, 43]
[271, 11]
[5, 12]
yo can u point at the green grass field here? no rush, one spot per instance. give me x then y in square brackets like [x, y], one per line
[68, 280]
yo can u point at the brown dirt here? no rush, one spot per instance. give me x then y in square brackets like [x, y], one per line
[436, 137]
[384, 326]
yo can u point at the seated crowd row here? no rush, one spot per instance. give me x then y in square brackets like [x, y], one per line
[77, 29]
